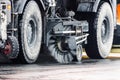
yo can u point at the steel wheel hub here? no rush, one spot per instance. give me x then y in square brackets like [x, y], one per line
[31, 32]
[8, 48]
[105, 30]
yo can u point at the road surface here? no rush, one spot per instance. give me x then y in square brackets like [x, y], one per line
[88, 69]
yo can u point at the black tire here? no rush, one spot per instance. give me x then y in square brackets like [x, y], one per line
[101, 31]
[30, 33]
[11, 48]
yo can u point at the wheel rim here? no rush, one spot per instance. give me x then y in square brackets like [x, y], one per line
[8, 49]
[105, 30]
[31, 32]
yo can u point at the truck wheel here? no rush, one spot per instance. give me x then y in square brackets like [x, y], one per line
[101, 33]
[31, 33]
[11, 48]
[58, 49]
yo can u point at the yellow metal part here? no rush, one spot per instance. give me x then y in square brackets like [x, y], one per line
[9, 7]
[115, 50]
[118, 14]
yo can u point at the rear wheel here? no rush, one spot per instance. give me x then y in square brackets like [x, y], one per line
[31, 33]
[101, 33]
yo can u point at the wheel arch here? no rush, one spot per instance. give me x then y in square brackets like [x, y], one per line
[112, 4]
[92, 7]
[20, 4]
[97, 3]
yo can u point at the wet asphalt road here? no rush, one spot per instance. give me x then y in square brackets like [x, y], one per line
[88, 69]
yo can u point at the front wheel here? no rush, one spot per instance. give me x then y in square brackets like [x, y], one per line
[30, 33]
[101, 33]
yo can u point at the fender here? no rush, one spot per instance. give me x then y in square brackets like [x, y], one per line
[19, 5]
[93, 7]
[96, 4]
[113, 6]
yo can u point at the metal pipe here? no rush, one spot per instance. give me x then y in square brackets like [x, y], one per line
[67, 32]
[81, 36]
[81, 40]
